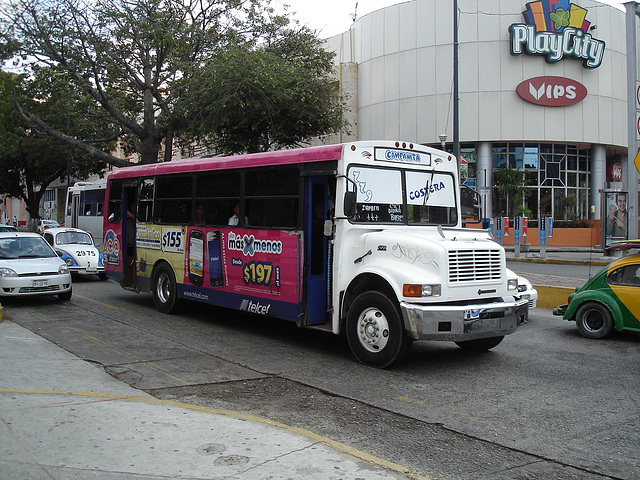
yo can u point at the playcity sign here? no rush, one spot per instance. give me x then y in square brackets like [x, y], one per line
[556, 29]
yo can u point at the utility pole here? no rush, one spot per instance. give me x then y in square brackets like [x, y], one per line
[633, 109]
[456, 96]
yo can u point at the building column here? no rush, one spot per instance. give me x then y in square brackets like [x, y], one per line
[598, 164]
[484, 176]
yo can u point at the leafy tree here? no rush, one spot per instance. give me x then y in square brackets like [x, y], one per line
[29, 159]
[512, 183]
[135, 61]
[250, 99]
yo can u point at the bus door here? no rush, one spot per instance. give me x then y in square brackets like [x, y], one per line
[129, 217]
[317, 256]
[75, 209]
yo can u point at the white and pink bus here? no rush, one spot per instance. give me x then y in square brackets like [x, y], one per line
[362, 238]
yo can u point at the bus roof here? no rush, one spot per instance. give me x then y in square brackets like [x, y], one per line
[280, 157]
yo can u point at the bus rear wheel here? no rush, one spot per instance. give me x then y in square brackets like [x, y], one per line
[165, 290]
[375, 331]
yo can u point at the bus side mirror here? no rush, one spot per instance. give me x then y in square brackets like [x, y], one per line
[328, 228]
[349, 204]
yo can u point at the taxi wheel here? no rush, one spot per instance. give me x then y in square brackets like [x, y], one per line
[165, 291]
[594, 320]
[375, 331]
[481, 344]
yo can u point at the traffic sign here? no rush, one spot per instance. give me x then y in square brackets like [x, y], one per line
[636, 162]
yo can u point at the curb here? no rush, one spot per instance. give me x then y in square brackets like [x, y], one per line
[551, 297]
[559, 261]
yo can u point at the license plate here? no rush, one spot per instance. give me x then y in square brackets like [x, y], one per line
[92, 270]
[40, 283]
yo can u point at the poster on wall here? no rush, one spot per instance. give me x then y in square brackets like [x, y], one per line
[616, 221]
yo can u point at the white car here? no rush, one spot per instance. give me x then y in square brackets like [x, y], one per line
[526, 290]
[29, 266]
[76, 248]
[45, 224]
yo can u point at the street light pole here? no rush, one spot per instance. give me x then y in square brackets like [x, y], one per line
[456, 99]
[633, 111]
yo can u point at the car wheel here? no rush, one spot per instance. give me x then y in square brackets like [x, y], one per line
[66, 296]
[594, 320]
[481, 344]
[102, 276]
[375, 331]
[165, 290]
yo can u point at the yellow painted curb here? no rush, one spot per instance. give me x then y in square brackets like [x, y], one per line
[551, 297]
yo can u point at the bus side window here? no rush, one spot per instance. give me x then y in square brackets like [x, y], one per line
[114, 212]
[216, 191]
[272, 197]
[172, 193]
[145, 207]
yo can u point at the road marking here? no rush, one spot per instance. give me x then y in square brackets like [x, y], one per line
[103, 304]
[329, 442]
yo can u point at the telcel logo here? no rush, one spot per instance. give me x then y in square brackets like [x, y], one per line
[254, 307]
[552, 91]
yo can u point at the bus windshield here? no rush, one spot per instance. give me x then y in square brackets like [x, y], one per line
[429, 197]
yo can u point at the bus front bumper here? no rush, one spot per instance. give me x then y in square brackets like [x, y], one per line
[464, 322]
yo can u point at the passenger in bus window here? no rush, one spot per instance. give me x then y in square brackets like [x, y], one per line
[184, 213]
[235, 218]
[201, 217]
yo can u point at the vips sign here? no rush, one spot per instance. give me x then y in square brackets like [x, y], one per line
[556, 29]
[552, 91]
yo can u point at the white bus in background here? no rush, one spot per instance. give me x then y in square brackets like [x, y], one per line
[85, 208]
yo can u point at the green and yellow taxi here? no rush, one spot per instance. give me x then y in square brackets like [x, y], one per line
[608, 301]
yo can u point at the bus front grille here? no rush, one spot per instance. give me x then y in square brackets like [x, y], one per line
[474, 265]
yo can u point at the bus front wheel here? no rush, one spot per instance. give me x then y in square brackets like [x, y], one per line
[375, 331]
[165, 290]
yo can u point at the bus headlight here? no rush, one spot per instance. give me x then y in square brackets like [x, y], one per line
[512, 284]
[419, 290]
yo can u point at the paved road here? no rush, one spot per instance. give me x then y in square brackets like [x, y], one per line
[539, 406]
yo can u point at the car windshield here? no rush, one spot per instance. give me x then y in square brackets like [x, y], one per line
[66, 238]
[25, 247]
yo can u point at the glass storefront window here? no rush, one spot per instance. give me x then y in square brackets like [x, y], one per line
[557, 174]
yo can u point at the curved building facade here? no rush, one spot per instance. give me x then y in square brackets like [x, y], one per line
[542, 88]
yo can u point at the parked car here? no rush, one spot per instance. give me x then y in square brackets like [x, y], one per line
[29, 266]
[526, 290]
[8, 228]
[608, 301]
[77, 249]
[45, 224]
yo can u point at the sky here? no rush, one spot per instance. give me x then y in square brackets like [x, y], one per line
[331, 17]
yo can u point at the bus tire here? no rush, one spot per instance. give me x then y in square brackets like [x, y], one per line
[165, 290]
[594, 320]
[375, 330]
[481, 344]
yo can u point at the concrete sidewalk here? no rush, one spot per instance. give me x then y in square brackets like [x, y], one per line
[63, 418]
